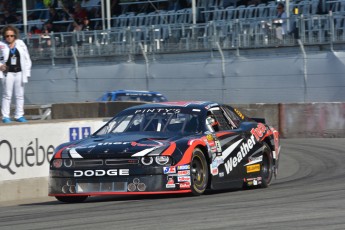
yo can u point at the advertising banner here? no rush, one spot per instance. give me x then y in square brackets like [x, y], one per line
[26, 149]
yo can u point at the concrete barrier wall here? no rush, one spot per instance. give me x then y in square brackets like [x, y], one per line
[89, 109]
[25, 149]
[312, 120]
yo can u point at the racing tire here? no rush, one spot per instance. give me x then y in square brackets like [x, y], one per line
[199, 172]
[71, 199]
[266, 166]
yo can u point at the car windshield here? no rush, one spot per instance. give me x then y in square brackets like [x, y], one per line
[138, 97]
[152, 122]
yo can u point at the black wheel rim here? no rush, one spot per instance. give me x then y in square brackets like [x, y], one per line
[265, 168]
[198, 172]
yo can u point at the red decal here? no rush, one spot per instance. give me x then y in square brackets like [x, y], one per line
[187, 156]
[169, 151]
[259, 131]
[59, 153]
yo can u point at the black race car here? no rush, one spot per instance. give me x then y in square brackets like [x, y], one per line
[170, 147]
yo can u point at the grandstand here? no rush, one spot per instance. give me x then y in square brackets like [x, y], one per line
[233, 47]
[219, 24]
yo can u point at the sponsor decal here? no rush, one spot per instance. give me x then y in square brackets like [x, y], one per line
[239, 113]
[218, 161]
[183, 167]
[160, 110]
[209, 137]
[185, 185]
[254, 160]
[244, 150]
[114, 143]
[214, 171]
[169, 170]
[146, 145]
[254, 181]
[170, 183]
[253, 168]
[219, 147]
[214, 166]
[100, 172]
[259, 131]
[183, 173]
[183, 178]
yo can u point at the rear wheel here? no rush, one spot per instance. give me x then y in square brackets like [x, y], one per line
[199, 171]
[71, 199]
[266, 167]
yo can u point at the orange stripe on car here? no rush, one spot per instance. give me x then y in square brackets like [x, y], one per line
[59, 153]
[187, 156]
[170, 150]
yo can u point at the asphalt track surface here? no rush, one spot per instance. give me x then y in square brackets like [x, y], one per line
[309, 193]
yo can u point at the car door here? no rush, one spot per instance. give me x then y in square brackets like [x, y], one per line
[227, 167]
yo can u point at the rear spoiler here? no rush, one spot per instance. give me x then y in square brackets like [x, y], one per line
[259, 120]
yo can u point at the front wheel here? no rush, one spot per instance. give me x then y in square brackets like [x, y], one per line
[200, 172]
[71, 199]
[266, 167]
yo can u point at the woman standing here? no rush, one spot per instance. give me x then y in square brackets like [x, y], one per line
[15, 70]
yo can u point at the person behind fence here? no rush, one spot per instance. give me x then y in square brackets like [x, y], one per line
[15, 70]
[280, 22]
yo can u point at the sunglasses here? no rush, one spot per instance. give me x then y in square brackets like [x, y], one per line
[11, 35]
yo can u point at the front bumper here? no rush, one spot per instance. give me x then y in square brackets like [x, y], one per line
[140, 180]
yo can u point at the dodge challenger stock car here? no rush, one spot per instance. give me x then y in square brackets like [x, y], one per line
[166, 148]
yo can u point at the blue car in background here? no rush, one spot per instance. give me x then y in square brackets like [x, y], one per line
[133, 95]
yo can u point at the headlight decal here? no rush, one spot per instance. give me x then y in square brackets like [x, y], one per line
[144, 152]
[74, 154]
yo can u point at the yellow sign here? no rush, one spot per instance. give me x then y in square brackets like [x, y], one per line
[253, 168]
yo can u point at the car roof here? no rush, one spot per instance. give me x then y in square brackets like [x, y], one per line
[178, 104]
[136, 92]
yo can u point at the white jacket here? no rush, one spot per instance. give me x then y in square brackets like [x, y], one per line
[25, 61]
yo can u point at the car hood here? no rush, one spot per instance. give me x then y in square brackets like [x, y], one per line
[121, 145]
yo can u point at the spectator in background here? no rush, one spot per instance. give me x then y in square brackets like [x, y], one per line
[19, 20]
[2, 20]
[15, 71]
[79, 13]
[48, 27]
[90, 4]
[2, 6]
[85, 26]
[54, 15]
[174, 5]
[39, 11]
[11, 5]
[35, 30]
[280, 22]
[115, 8]
[9, 18]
